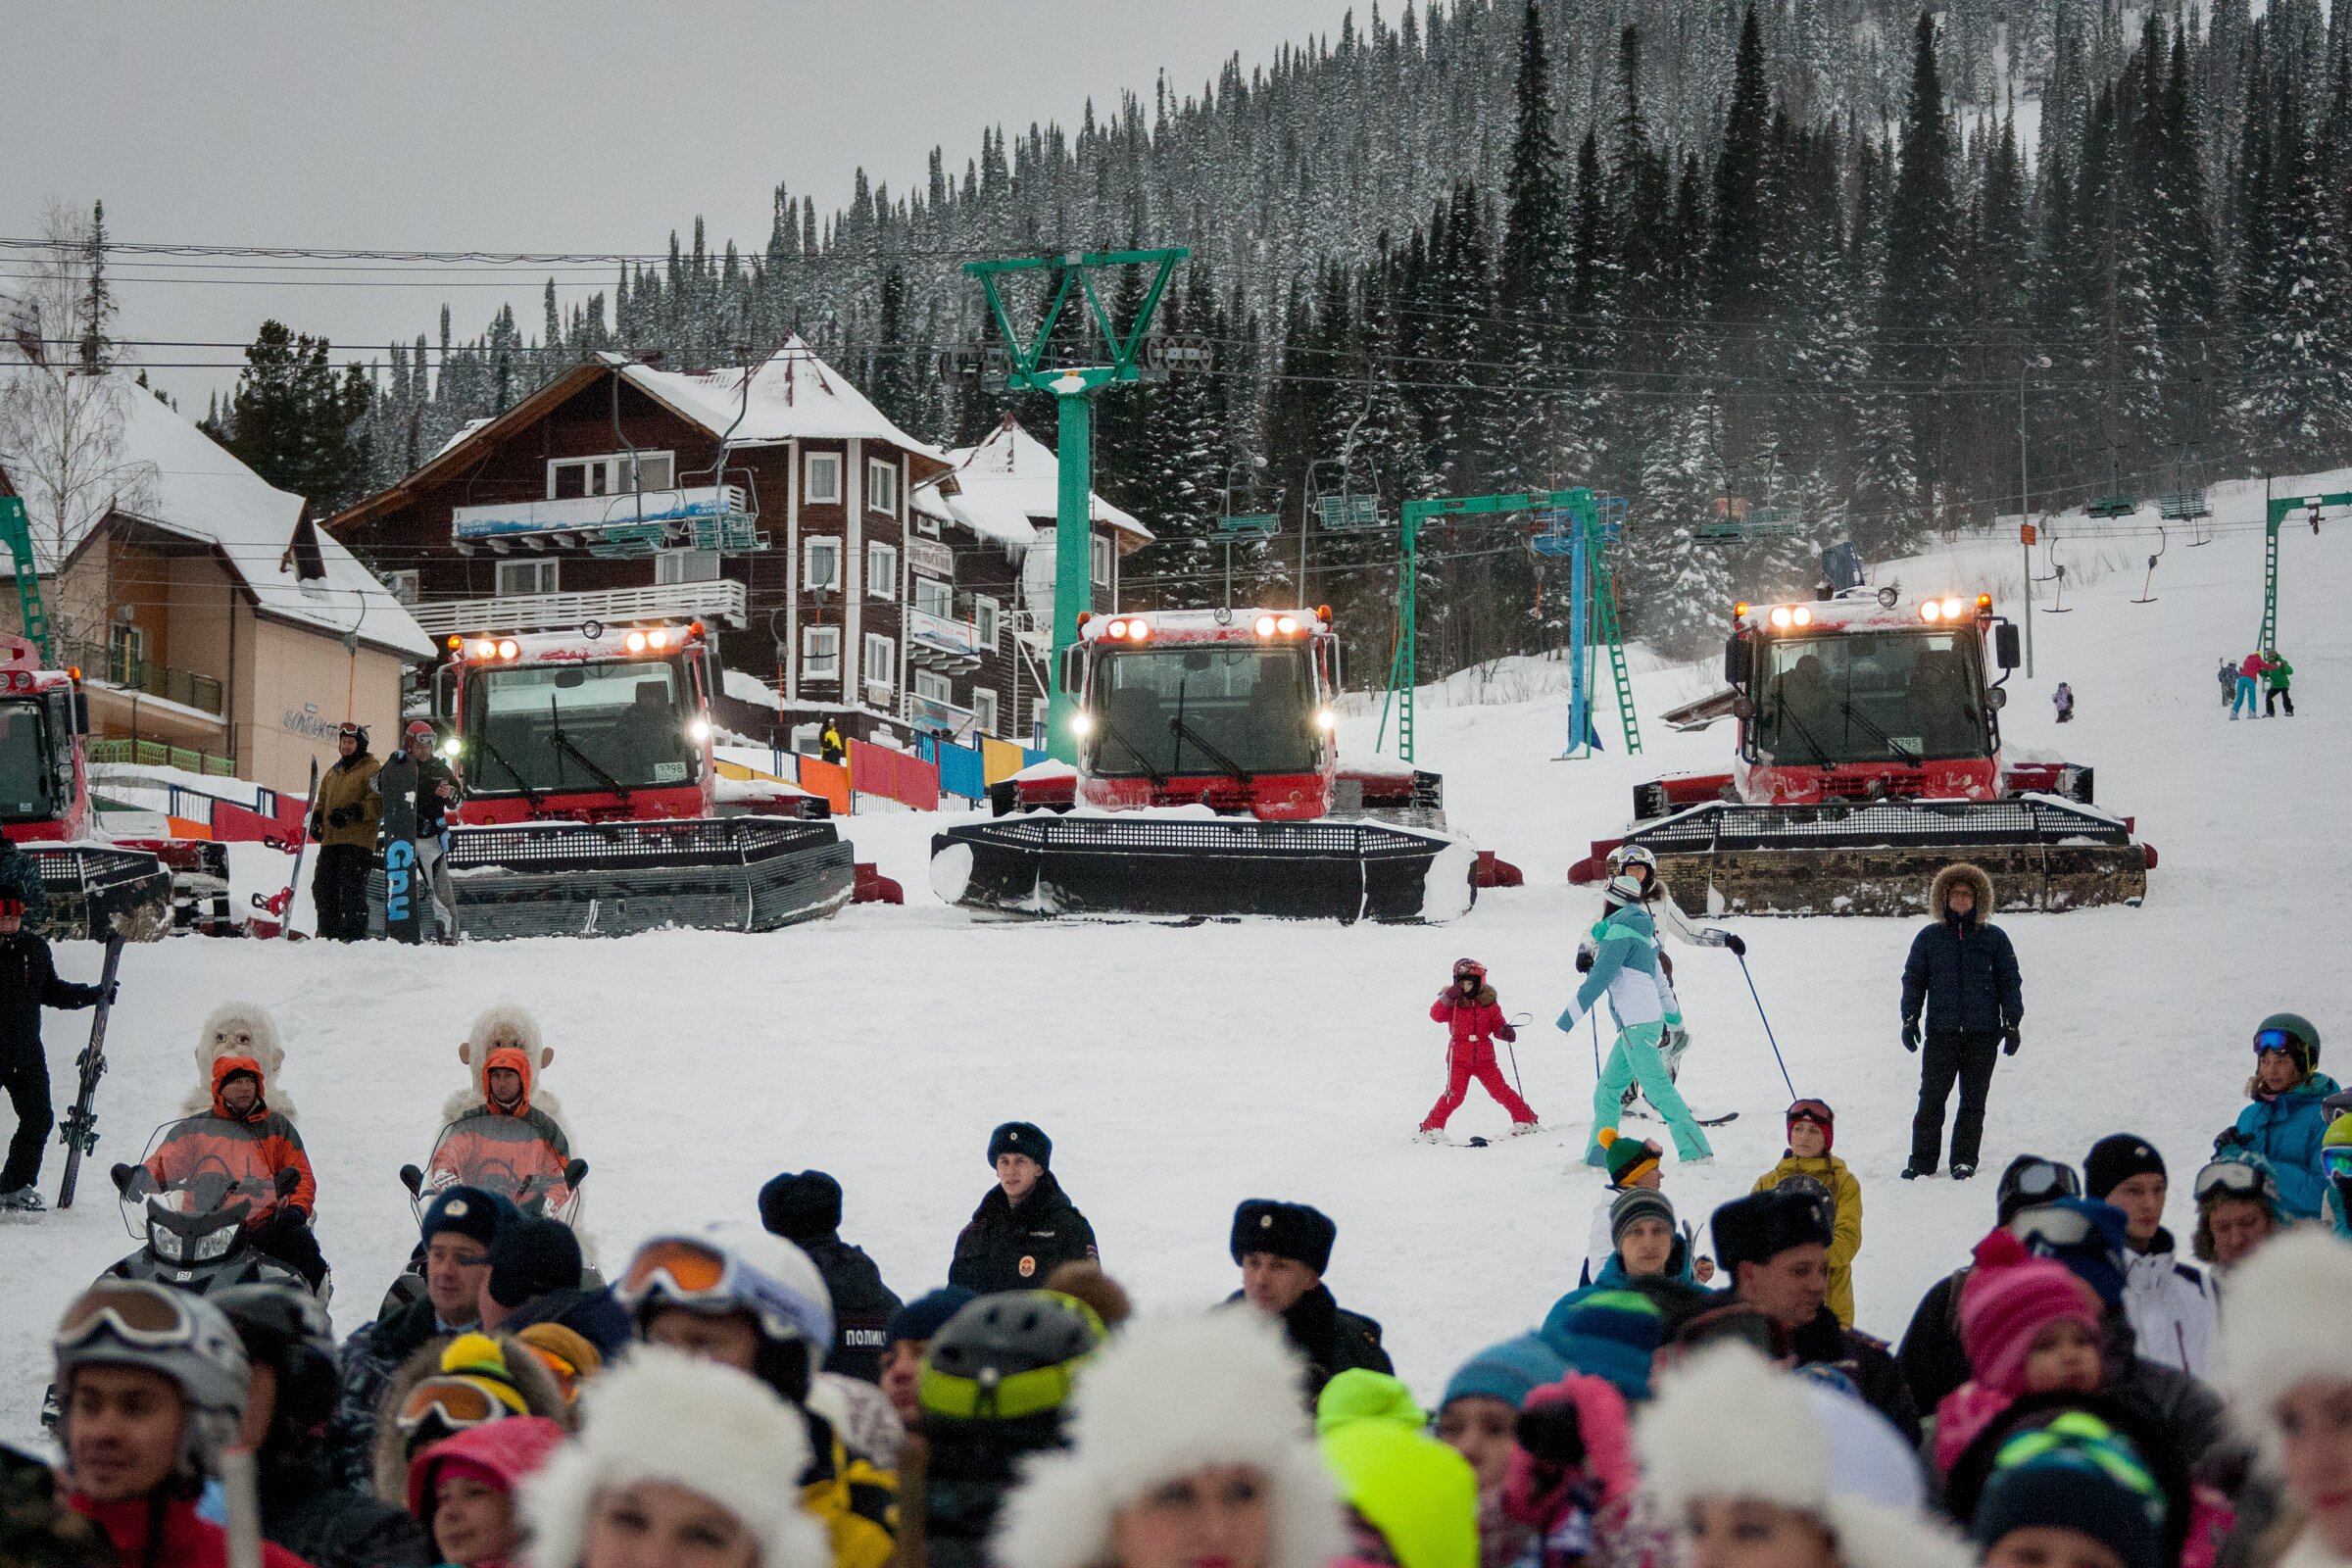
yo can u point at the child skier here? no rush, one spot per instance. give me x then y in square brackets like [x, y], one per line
[1812, 1130]
[1625, 969]
[2063, 699]
[1473, 1019]
[2227, 677]
[1632, 860]
[28, 982]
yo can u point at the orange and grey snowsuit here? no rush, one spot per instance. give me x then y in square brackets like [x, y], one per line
[251, 1148]
[516, 1150]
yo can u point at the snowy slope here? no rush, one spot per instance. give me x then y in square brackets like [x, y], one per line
[1182, 1070]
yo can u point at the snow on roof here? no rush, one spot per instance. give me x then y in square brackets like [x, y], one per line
[189, 484]
[1007, 488]
[460, 434]
[794, 396]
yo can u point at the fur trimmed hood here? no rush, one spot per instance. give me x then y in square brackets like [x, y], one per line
[238, 1029]
[2293, 1323]
[1728, 1424]
[1170, 1396]
[1953, 875]
[541, 1395]
[665, 1416]
[504, 1024]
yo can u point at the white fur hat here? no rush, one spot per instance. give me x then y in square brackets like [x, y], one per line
[665, 1416]
[1170, 1396]
[2287, 1319]
[1727, 1424]
[212, 1042]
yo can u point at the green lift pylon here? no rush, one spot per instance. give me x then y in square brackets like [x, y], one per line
[1073, 389]
[2279, 509]
[17, 534]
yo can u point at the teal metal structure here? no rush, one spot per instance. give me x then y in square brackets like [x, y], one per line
[2277, 510]
[17, 534]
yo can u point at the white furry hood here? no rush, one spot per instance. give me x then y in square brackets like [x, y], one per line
[218, 1037]
[2287, 1319]
[1168, 1396]
[665, 1416]
[1728, 1424]
[504, 1022]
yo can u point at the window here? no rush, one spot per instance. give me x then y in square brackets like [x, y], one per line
[934, 598]
[936, 687]
[824, 480]
[881, 486]
[881, 660]
[685, 565]
[984, 622]
[608, 474]
[820, 653]
[881, 571]
[405, 585]
[820, 562]
[126, 656]
[1104, 556]
[984, 710]
[533, 574]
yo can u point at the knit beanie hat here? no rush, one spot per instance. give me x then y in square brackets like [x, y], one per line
[1021, 1138]
[2077, 1473]
[532, 1257]
[922, 1319]
[1509, 1372]
[2115, 1159]
[1294, 1231]
[805, 1208]
[1609, 1333]
[1628, 1158]
[2009, 1299]
[1638, 1204]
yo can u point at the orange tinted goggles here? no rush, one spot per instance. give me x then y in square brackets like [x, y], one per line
[686, 1269]
[456, 1402]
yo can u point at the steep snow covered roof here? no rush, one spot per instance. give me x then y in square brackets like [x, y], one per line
[794, 396]
[1007, 488]
[187, 484]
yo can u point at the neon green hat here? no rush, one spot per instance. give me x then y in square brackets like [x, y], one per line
[1420, 1495]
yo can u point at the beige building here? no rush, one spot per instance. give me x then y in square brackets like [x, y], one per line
[207, 614]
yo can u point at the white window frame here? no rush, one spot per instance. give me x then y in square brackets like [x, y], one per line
[987, 620]
[934, 598]
[815, 545]
[882, 486]
[607, 473]
[826, 493]
[1105, 556]
[546, 571]
[881, 651]
[674, 567]
[932, 686]
[984, 710]
[405, 586]
[820, 653]
[881, 570]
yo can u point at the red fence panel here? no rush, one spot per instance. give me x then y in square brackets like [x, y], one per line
[894, 775]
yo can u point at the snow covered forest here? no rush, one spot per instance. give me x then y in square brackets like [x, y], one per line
[1831, 252]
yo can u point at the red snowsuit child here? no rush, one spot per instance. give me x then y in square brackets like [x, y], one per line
[1473, 1019]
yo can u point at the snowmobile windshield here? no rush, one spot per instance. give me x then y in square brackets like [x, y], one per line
[36, 775]
[501, 1154]
[1184, 712]
[1872, 697]
[201, 1174]
[602, 728]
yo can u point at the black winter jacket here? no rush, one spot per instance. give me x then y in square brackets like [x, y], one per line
[1009, 1249]
[1965, 975]
[333, 1527]
[28, 982]
[364, 1367]
[1332, 1339]
[1932, 1361]
[862, 1305]
[1826, 1341]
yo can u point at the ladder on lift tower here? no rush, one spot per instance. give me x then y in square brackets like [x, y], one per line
[1604, 607]
[16, 535]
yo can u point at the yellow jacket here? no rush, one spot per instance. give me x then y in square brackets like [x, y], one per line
[348, 791]
[1845, 1238]
[857, 1502]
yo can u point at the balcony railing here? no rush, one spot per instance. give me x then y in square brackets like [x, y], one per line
[720, 599]
[159, 754]
[117, 667]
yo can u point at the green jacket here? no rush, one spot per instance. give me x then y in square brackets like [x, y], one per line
[2280, 674]
[1420, 1495]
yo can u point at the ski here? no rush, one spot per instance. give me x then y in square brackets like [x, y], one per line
[1643, 1112]
[302, 841]
[80, 1129]
[404, 910]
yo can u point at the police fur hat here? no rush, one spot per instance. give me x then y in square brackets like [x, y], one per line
[1021, 1138]
[1294, 1231]
[238, 1029]
[1758, 1228]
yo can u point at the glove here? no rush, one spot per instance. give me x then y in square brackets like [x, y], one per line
[2010, 1041]
[1911, 1035]
[1583, 962]
[317, 824]
[2229, 1138]
[1738, 944]
[341, 816]
[108, 991]
[1552, 1434]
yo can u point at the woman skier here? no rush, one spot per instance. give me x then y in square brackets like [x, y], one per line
[1473, 1019]
[1638, 862]
[1625, 969]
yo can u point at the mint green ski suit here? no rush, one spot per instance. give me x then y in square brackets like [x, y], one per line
[1625, 969]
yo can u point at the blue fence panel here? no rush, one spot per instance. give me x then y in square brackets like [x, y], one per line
[962, 772]
[1030, 759]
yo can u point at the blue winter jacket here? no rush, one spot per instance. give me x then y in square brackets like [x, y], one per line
[1966, 973]
[2285, 1130]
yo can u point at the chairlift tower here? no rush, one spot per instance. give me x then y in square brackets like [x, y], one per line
[1073, 388]
[2276, 514]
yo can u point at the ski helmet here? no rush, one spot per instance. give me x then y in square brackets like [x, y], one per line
[1625, 856]
[1464, 968]
[287, 1330]
[2335, 1152]
[1008, 1355]
[2293, 1032]
[353, 729]
[734, 1267]
[1622, 888]
[171, 1333]
[2031, 1180]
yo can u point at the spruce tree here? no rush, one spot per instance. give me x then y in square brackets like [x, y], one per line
[1916, 321]
[295, 423]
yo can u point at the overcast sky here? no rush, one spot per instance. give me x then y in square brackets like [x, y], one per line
[525, 125]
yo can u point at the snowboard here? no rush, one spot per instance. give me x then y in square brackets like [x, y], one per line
[403, 887]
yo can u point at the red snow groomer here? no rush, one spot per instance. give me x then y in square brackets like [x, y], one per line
[1869, 757]
[1209, 784]
[592, 799]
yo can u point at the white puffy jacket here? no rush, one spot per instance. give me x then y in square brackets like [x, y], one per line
[2172, 1308]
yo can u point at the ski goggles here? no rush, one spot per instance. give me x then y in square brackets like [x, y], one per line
[2234, 1178]
[2083, 1438]
[456, 1402]
[2270, 1040]
[148, 1316]
[1007, 1398]
[2044, 1180]
[1814, 1111]
[2337, 1161]
[681, 1269]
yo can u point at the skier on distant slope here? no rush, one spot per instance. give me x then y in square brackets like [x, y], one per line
[1636, 862]
[1625, 969]
[1473, 1019]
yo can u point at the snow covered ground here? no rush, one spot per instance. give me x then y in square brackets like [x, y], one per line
[1181, 1070]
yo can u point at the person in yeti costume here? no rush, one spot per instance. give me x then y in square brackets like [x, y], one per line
[1730, 1442]
[239, 1029]
[2286, 1360]
[1186, 1440]
[681, 1444]
[504, 1132]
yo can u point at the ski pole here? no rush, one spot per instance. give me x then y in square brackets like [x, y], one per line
[1520, 1023]
[1595, 1017]
[1767, 1022]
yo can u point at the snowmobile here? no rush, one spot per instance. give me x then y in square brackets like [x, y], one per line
[193, 1227]
[499, 1154]
[1870, 758]
[1209, 785]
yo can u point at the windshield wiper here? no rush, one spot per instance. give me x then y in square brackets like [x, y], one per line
[500, 758]
[1115, 733]
[1184, 732]
[557, 738]
[1787, 715]
[1855, 715]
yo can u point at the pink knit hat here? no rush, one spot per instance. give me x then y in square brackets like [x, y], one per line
[2010, 1297]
